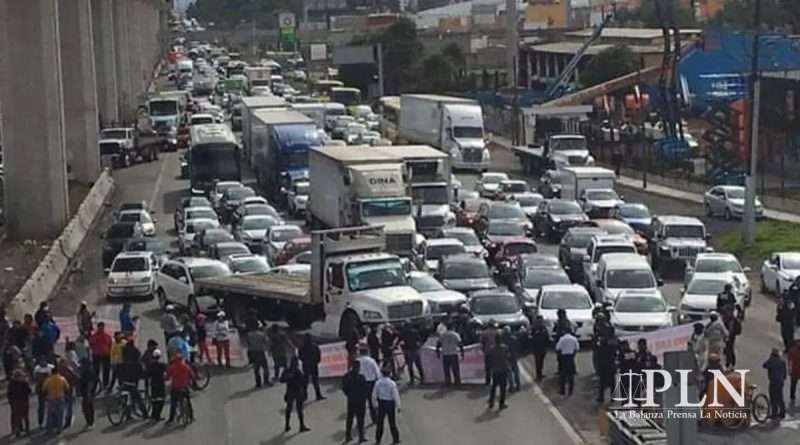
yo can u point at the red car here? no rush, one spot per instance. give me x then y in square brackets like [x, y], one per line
[467, 212]
[292, 248]
[507, 252]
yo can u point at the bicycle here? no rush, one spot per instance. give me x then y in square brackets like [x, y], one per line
[182, 411]
[201, 376]
[757, 407]
[123, 409]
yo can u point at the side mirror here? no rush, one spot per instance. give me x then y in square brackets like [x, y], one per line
[659, 282]
[746, 269]
[586, 258]
[672, 309]
[184, 280]
[107, 270]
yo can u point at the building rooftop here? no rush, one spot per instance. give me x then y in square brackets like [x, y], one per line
[628, 33]
[573, 47]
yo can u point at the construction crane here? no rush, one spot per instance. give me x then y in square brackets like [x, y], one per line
[558, 88]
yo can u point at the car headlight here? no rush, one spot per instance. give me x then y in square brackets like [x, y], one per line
[590, 160]
[372, 315]
[112, 281]
[486, 155]
[144, 280]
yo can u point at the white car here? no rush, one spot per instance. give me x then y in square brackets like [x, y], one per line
[599, 201]
[176, 282]
[191, 228]
[369, 137]
[724, 263]
[440, 299]
[779, 272]
[468, 238]
[219, 190]
[728, 200]
[489, 184]
[278, 236]
[247, 264]
[353, 131]
[637, 311]
[252, 230]
[529, 202]
[700, 296]
[202, 119]
[196, 213]
[146, 222]
[575, 300]
[434, 249]
[132, 274]
[297, 197]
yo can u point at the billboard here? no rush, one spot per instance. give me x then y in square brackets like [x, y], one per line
[349, 55]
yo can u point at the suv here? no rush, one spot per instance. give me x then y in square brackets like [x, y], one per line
[599, 246]
[176, 280]
[132, 274]
[677, 239]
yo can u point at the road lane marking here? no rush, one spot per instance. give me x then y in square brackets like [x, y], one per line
[157, 187]
[565, 425]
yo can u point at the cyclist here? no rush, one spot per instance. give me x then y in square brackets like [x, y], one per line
[178, 345]
[155, 371]
[180, 374]
[129, 373]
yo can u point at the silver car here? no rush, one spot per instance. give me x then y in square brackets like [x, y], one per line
[637, 311]
[728, 200]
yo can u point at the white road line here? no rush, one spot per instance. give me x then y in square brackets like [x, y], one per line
[157, 187]
[565, 425]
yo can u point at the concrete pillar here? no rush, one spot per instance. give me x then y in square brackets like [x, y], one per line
[105, 61]
[36, 194]
[121, 52]
[529, 71]
[80, 95]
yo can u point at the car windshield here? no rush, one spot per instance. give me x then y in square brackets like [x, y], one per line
[684, 231]
[196, 201]
[472, 205]
[568, 144]
[515, 187]
[120, 231]
[202, 120]
[566, 300]
[216, 236]
[536, 278]
[717, 265]
[375, 274]
[145, 245]
[163, 108]
[528, 201]
[425, 283]
[430, 195]
[577, 240]
[601, 195]
[468, 132]
[564, 208]
[495, 304]
[502, 228]
[630, 279]
[541, 261]
[113, 134]
[258, 223]
[706, 287]
[736, 193]
[506, 212]
[640, 304]
[130, 265]
[223, 187]
[302, 258]
[514, 249]
[134, 217]
[209, 271]
[302, 188]
[493, 179]
[634, 211]
[437, 252]
[396, 207]
[240, 193]
[617, 228]
[285, 233]
[466, 238]
[260, 209]
[201, 213]
[224, 251]
[465, 270]
[602, 250]
[197, 226]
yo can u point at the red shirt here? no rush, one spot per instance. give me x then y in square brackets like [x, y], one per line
[100, 343]
[794, 360]
[180, 373]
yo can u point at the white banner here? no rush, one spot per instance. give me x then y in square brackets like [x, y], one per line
[663, 340]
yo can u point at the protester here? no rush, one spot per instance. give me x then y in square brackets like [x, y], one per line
[606, 368]
[540, 341]
[178, 345]
[793, 359]
[129, 373]
[40, 346]
[563, 324]
[388, 345]
[51, 332]
[787, 317]
[115, 359]
[257, 347]
[169, 323]
[715, 334]
[222, 332]
[628, 367]
[514, 344]
[100, 345]
[356, 389]
[386, 396]
[374, 343]
[697, 345]
[368, 368]
[295, 395]
[310, 355]
[734, 328]
[448, 347]
[202, 334]
[19, 393]
[42, 314]
[776, 373]
[499, 365]
[70, 373]
[127, 322]
[726, 298]
[55, 389]
[41, 372]
[488, 341]
[566, 347]
[280, 349]
[87, 385]
[410, 342]
[85, 319]
[155, 375]
[180, 374]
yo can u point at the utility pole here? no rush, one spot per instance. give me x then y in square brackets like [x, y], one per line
[512, 56]
[749, 217]
[379, 57]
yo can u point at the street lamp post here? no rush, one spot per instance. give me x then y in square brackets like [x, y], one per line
[749, 217]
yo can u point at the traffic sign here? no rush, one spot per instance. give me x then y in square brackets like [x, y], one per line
[286, 22]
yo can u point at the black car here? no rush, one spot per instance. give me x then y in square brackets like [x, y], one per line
[147, 244]
[573, 248]
[465, 273]
[115, 238]
[554, 217]
[500, 211]
[208, 237]
[231, 199]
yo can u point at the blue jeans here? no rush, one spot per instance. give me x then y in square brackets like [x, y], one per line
[69, 403]
[55, 415]
[514, 375]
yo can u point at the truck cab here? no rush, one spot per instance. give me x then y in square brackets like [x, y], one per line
[463, 137]
[568, 150]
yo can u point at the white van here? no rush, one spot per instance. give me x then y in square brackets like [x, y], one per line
[619, 272]
[574, 180]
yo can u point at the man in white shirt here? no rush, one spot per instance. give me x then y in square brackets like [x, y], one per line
[368, 367]
[566, 348]
[387, 398]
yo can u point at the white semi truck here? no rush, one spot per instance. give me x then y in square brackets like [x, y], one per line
[355, 186]
[353, 283]
[453, 125]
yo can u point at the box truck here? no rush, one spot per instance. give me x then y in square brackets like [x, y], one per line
[249, 106]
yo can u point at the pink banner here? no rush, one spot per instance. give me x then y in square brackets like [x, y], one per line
[471, 365]
[663, 340]
[333, 361]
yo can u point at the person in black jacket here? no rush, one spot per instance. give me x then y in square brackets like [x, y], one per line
[787, 318]
[154, 373]
[87, 383]
[19, 393]
[356, 389]
[295, 395]
[374, 344]
[410, 341]
[310, 356]
[606, 367]
[540, 341]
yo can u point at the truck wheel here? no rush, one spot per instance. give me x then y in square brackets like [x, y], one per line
[348, 322]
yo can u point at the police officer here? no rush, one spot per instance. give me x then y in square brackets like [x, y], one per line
[726, 298]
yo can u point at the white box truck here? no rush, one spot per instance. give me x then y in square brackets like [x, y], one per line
[257, 76]
[576, 181]
[453, 125]
[354, 186]
[314, 110]
[249, 106]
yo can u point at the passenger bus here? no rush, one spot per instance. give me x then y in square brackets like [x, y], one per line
[388, 108]
[345, 95]
[323, 87]
[214, 156]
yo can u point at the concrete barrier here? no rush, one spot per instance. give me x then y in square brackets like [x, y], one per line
[55, 265]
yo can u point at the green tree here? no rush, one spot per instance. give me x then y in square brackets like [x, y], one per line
[402, 49]
[647, 16]
[609, 64]
[437, 73]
